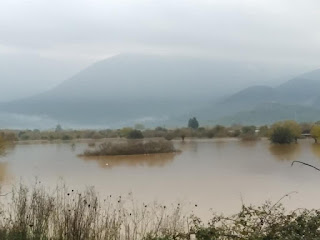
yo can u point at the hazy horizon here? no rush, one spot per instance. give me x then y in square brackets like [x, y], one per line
[44, 43]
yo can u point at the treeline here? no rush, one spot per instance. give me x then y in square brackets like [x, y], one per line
[280, 132]
[126, 132]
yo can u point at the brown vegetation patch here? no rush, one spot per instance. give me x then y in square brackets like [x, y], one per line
[132, 147]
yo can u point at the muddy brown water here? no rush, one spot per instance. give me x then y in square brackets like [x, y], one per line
[216, 175]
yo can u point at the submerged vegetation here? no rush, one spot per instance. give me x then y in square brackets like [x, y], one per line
[315, 132]
[248, 133]
[135, 134]
[217, 131]
[282, 135]
[64, 214]
[285, 132]
[5, 140]
[132, 147]
[2, 146]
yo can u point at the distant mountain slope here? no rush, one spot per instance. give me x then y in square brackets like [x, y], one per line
[129, 88]
[312, 75]
[143, 76]
[300, 95]
[159, 90]
[301, 91]
[248, 97]
[270, 113]
[23, 75]
[251, 94]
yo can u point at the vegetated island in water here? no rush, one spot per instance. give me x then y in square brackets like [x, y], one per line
[132, 147]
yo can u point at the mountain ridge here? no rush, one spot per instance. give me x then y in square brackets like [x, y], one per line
[128, 88]
[300, 93]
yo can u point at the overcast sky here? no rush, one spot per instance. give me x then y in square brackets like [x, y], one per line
[67, 35]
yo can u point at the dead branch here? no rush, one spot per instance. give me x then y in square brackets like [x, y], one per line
[307, 164]
[3, 195]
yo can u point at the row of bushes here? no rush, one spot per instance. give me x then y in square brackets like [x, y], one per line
[218, 131]
[66, 214]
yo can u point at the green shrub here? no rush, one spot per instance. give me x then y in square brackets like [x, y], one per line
[262, 223]
[66, 137]
[248, 133]
[135, 134]
[161, 129]
[220, 131]
[169, 136]
[25, 137]
[193, 123]
[282, 135]
[235, 133]
[264, 131]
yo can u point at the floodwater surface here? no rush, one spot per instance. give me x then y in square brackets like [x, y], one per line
[216, 175]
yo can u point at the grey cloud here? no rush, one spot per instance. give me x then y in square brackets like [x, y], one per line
[61, 37]
[256, 29]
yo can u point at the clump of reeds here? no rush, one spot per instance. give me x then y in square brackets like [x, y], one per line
[132, 147]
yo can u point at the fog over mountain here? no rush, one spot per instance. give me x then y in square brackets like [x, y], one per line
[132, 88]
[23, 75]
[157, 90]
[113, 63]
[295, 99]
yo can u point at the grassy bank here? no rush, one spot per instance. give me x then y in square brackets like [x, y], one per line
[66, 214]
[131, 147]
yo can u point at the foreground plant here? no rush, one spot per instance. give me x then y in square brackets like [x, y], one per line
[262, 223]
[64, 214]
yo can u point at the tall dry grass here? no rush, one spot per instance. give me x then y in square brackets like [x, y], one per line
[64, 214]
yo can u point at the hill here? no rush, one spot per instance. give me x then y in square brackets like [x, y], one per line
[126, 89]
[298, 98]
[271, 112]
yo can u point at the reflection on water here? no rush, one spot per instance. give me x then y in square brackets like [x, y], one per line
[248, 143]
[187, 145]
[285, 152]
[316, 149]
[150, 160]
[3, 172]
[73, 147]
[4, 149]
[220, 143]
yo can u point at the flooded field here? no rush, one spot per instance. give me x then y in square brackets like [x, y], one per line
[214, 175]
